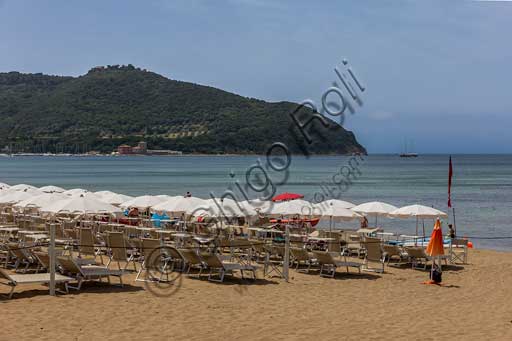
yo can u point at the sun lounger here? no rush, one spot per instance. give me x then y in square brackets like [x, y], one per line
[301, 255]
[192, 260]
[328, 264]
[373, 253]
[221, 268]
[154, 261]
[44, 278]
[22, 255]
[118, 252]
[82, 273]
[393, 251]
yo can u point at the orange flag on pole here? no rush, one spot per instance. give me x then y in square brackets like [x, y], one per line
[435, 246]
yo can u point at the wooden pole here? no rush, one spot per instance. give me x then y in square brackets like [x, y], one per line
[454, 224]
[52, 259]
[286, 263]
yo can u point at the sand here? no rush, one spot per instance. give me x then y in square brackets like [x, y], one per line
[474, 302]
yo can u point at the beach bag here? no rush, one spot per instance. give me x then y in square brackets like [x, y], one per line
[436, 275]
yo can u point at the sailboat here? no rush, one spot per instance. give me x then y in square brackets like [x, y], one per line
[406, 153]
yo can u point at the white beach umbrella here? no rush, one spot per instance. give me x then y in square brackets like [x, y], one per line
[113, 198]
[374, 208]
[41, 200]
[14, 196]
[256, 204]
[179, 204]
[294, 207]
[52, 189]
[336, 203]
[142, 202]
[81, 204]
[166, 197]
[230, 208]
[419, 212]
[336, 210]
[22, 187]
[75, 191]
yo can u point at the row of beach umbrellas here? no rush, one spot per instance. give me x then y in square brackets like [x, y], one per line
[54, 199]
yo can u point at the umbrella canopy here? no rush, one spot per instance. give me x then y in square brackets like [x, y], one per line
[75, 191]
[22, 187]
[435, 246]
[338, 213]
[13, 196]
[418, 211]
[294, 207]
[256, 204]
[229, 208]
[143, 202]
[179, 205]
[81, 204]
[41, 200]
[113, 198]
[52, 189]
[374, 208]
[336, 203]
[287, 196]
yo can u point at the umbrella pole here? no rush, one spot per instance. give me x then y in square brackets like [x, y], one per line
[376, 216]
[416, 238]
[423, 224]
[330, 226]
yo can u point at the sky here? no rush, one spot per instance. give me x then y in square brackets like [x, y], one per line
[436, 74]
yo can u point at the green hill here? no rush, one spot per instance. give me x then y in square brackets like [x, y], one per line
[122, 104]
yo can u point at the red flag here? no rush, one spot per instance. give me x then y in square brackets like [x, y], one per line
[450, 173]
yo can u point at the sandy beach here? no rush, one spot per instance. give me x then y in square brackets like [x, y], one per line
[474, 302]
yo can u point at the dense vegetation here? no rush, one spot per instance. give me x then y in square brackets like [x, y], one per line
[122, 104]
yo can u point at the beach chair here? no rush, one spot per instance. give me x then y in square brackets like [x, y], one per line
[82, 273]
[86, 244]
[221, 268]
[22, 256]
[353, 245]
[118, 252]
[417, 257]
[4, 255]
[192, 260]
[44, 278]
[274, 259]
[394, 251]
[373, 253]
[154, 261]
[328, 264]
[301, 255]
[43, 259]
[459, 251]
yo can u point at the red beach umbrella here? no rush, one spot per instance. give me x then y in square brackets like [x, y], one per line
[287, 196]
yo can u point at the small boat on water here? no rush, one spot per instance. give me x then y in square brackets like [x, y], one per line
[406, 153]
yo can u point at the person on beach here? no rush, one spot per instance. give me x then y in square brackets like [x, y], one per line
[133, 213]
[451, 231]
[364, 223]
[188, 195]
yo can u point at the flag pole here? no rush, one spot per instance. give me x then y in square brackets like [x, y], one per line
[454, 224]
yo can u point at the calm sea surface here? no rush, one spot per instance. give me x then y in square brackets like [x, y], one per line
[481, 193]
